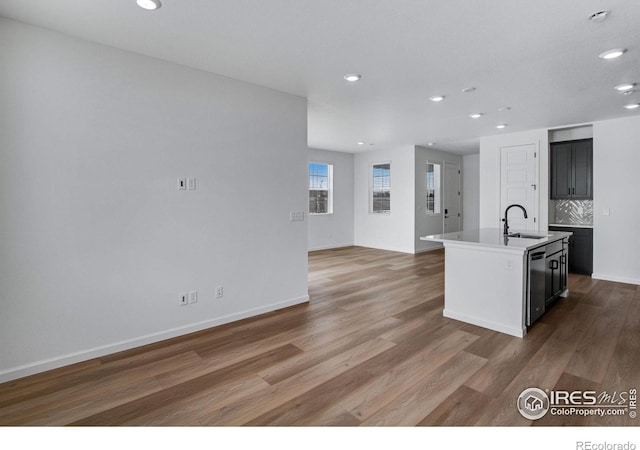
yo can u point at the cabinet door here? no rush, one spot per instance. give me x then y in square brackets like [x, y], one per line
[560, 170]
[553, 274]
[581, 251]
[582, 172]
[564, 265]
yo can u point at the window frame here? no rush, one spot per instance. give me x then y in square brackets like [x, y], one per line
[372, 167]
[329, 186]
[437, 189]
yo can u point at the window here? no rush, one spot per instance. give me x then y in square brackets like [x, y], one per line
[433, 188]
[320, 188]
[380, 192]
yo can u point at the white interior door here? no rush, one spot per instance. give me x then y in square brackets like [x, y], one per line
[452, 213]
[519, 185]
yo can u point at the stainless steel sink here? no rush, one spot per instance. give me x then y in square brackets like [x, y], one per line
[526, 236]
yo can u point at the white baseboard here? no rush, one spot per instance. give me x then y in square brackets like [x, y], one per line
[603, 276]
[517, 332]
[330, 247]
[430, 249]
[84, 355]
[390, 248]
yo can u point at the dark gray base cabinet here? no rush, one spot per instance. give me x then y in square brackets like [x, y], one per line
[580, 249]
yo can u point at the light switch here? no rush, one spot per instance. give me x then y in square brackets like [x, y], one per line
[605, 212]
[191, 184]
[296, 216]
[182, 184]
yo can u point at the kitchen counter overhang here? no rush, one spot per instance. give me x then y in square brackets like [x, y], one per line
[494, 239]
[486, 277]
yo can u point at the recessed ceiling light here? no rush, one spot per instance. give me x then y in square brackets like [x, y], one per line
[469, 90]
[625, 87]
[437, 98]
[612, 54]
[475, 115]
[430, 144]
[149, 5]
[629, 92]
[599, 16]
[501, 126]
[504, 108]
[360, 143]
[632, 105]
[352, 77]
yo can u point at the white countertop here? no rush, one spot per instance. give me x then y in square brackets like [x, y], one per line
[492, 237]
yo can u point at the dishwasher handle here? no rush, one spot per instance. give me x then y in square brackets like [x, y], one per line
[538, 255]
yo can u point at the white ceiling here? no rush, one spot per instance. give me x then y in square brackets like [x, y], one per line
[539, 57]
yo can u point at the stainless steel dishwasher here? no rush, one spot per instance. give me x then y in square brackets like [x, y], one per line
[536, 286]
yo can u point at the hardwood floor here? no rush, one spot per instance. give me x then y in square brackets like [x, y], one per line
[370, 348]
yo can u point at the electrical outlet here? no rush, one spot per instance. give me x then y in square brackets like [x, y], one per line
[182, 184]
[219, 292]
[191, 184]
[193, 296]
[183, 299]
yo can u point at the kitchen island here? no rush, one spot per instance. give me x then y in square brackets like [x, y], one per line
[494, 281]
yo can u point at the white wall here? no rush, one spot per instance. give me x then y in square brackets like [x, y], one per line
[571, 133]
[334, 230]
[616, 160]
[95, 239]
[394, 231]
[490, 146]
[429, 224]
[471, 191]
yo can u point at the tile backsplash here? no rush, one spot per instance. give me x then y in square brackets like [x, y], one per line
[571, 212]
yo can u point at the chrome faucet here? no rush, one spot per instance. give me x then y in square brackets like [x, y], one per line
[506, 215]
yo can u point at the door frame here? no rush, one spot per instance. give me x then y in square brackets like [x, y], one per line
[444, 193]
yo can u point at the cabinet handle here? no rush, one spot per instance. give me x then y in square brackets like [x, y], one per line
[553, 264]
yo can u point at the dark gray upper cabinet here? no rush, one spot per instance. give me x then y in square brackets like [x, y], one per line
[571, 169]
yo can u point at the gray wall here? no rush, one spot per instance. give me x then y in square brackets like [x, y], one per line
[96, 242]
[471, 191]
[334, 230]
[394, 231]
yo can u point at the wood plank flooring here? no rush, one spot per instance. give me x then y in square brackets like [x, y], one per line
[371, 348]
